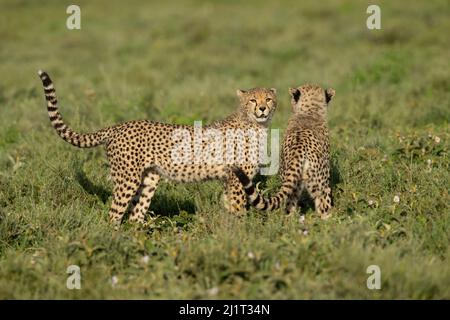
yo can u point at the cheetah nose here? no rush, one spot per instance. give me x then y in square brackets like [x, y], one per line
[262, 108]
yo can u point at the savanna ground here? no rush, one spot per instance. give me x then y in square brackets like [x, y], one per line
[180, 62]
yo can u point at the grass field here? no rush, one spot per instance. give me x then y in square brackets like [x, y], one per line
[182, 61]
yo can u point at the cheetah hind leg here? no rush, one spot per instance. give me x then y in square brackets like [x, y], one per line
[144, 196]
[323, 204]
[124, 190]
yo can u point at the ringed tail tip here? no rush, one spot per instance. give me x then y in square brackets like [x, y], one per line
[42, 74]
[44, 78]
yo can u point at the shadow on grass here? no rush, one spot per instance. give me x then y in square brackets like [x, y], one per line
[335, 173]
[102, 193]
[166, 205]
[170, 206]
[161, 204]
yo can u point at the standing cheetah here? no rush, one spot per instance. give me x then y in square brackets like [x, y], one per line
[305, 155]
[141, 152]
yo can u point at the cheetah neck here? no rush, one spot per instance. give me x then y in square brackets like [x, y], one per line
[309, 118]
[314, 111]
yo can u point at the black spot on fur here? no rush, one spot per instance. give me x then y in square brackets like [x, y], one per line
[296, 95]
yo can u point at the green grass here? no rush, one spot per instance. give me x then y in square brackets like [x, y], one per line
[180, 62]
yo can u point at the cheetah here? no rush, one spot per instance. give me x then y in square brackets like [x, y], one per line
[140, 153]
[305, 155]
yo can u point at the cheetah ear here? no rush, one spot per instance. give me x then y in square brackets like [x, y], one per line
[295, 94]
[329, 94]
[273, 90]
[240, 93]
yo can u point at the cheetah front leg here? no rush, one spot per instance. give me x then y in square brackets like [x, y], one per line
[234, 195]
[144, 196]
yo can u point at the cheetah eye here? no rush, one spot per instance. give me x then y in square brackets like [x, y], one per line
[268, 100]
[253, 101]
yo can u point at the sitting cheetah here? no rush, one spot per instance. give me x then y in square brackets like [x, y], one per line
[141, 152]
[305, 155]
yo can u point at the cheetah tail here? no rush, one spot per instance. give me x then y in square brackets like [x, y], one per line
[256, 199]
[74, 138]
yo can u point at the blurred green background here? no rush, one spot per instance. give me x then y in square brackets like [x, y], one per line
[182, 61]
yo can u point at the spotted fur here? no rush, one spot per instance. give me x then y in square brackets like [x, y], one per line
[140, 152]
[305, 155]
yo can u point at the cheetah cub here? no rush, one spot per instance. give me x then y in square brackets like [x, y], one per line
[140, 153]
[304, 157]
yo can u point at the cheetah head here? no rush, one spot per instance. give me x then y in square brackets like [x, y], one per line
[311, 98]
[258, 104]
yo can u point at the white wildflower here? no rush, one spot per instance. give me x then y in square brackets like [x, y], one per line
[437, 139]
[145, 259]
[251, 255]
[213, 291]
[277, 265]
[396, 199]
[301, 219]
[114, 280]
